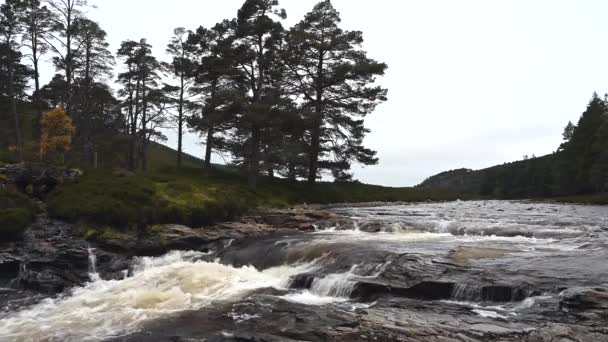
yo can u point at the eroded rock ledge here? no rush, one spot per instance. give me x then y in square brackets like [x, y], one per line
[54, 256]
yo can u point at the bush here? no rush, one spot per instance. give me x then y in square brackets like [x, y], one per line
[17, 212]
[104, 199]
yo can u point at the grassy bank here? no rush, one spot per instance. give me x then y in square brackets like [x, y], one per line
[197, 197]
[584, 199]
[17, 212]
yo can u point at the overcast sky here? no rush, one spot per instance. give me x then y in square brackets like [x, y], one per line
[472, 83]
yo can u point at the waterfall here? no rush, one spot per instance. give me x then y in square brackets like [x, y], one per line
[468, 293]
[16, 283]
[490, 293]
[93, 275]
[357, 228]
[335, 285]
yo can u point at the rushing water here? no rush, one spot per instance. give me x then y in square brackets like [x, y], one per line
[503, 260]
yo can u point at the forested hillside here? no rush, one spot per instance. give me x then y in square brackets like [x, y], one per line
[578, 167]
[288, 101]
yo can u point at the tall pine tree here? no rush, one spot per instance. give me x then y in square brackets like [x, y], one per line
[335, 78]
[259, 35]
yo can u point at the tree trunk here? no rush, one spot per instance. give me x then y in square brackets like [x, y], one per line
[209, 147]
[68, 60]
[315, 148]
[13, 101]
[37, 100]
[254, 160]
[313, 163]
[180, 121]
[144, 126]
[134, 138]
[291, 175]
[86, 112]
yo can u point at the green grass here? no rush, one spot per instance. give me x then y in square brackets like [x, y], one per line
[17, 212]
[197, 197]
[584, 199]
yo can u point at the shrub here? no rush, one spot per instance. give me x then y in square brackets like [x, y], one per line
[17, 212]
[104, 199]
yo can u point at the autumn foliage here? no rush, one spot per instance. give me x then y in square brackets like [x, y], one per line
[57, 130]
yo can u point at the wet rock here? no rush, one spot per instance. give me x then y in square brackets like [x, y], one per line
[301, 219]
[302, 281]
[9, 268]
[588, 302]
[267, 318]
[52, 258]
[45, 281]
[464, 255]
[373, 227]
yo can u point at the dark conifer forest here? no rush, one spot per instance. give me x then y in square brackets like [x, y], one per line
[579, 166]
[279, 101]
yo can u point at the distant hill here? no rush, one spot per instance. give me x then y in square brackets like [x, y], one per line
[578, 167]
[160, 155]
[534, 177]
[460, 180]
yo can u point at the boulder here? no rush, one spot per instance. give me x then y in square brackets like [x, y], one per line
[588, 302]
[36, 179]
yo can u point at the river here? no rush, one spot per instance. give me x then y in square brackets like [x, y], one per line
[458, 271]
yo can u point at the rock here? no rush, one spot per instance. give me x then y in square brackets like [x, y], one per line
[301, 219]
[46, 281]
[161, 239]
[36, 179]
[463, 255]
[590, 302]
[52, 258]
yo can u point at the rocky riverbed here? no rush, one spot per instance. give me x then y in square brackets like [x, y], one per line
[460, 271]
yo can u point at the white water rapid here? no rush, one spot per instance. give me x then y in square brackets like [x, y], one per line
[158, 287]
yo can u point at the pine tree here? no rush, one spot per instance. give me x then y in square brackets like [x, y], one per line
[581, 151]
[38, 23]
[335, 78]
[181, 68]
[145, 101]
[63, 42]
[259, 35]
[216, 81]
[10, 29]
[94, 64]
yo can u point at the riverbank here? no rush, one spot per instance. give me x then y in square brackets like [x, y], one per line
[196, 198]
[466, 271]
[584, 199]
[54, 256]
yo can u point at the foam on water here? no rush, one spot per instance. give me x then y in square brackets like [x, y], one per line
[333, 288]
[488, 314]
[158, 286]
[310, 298]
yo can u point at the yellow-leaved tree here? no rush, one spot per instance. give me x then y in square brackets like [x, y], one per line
[57, 131]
